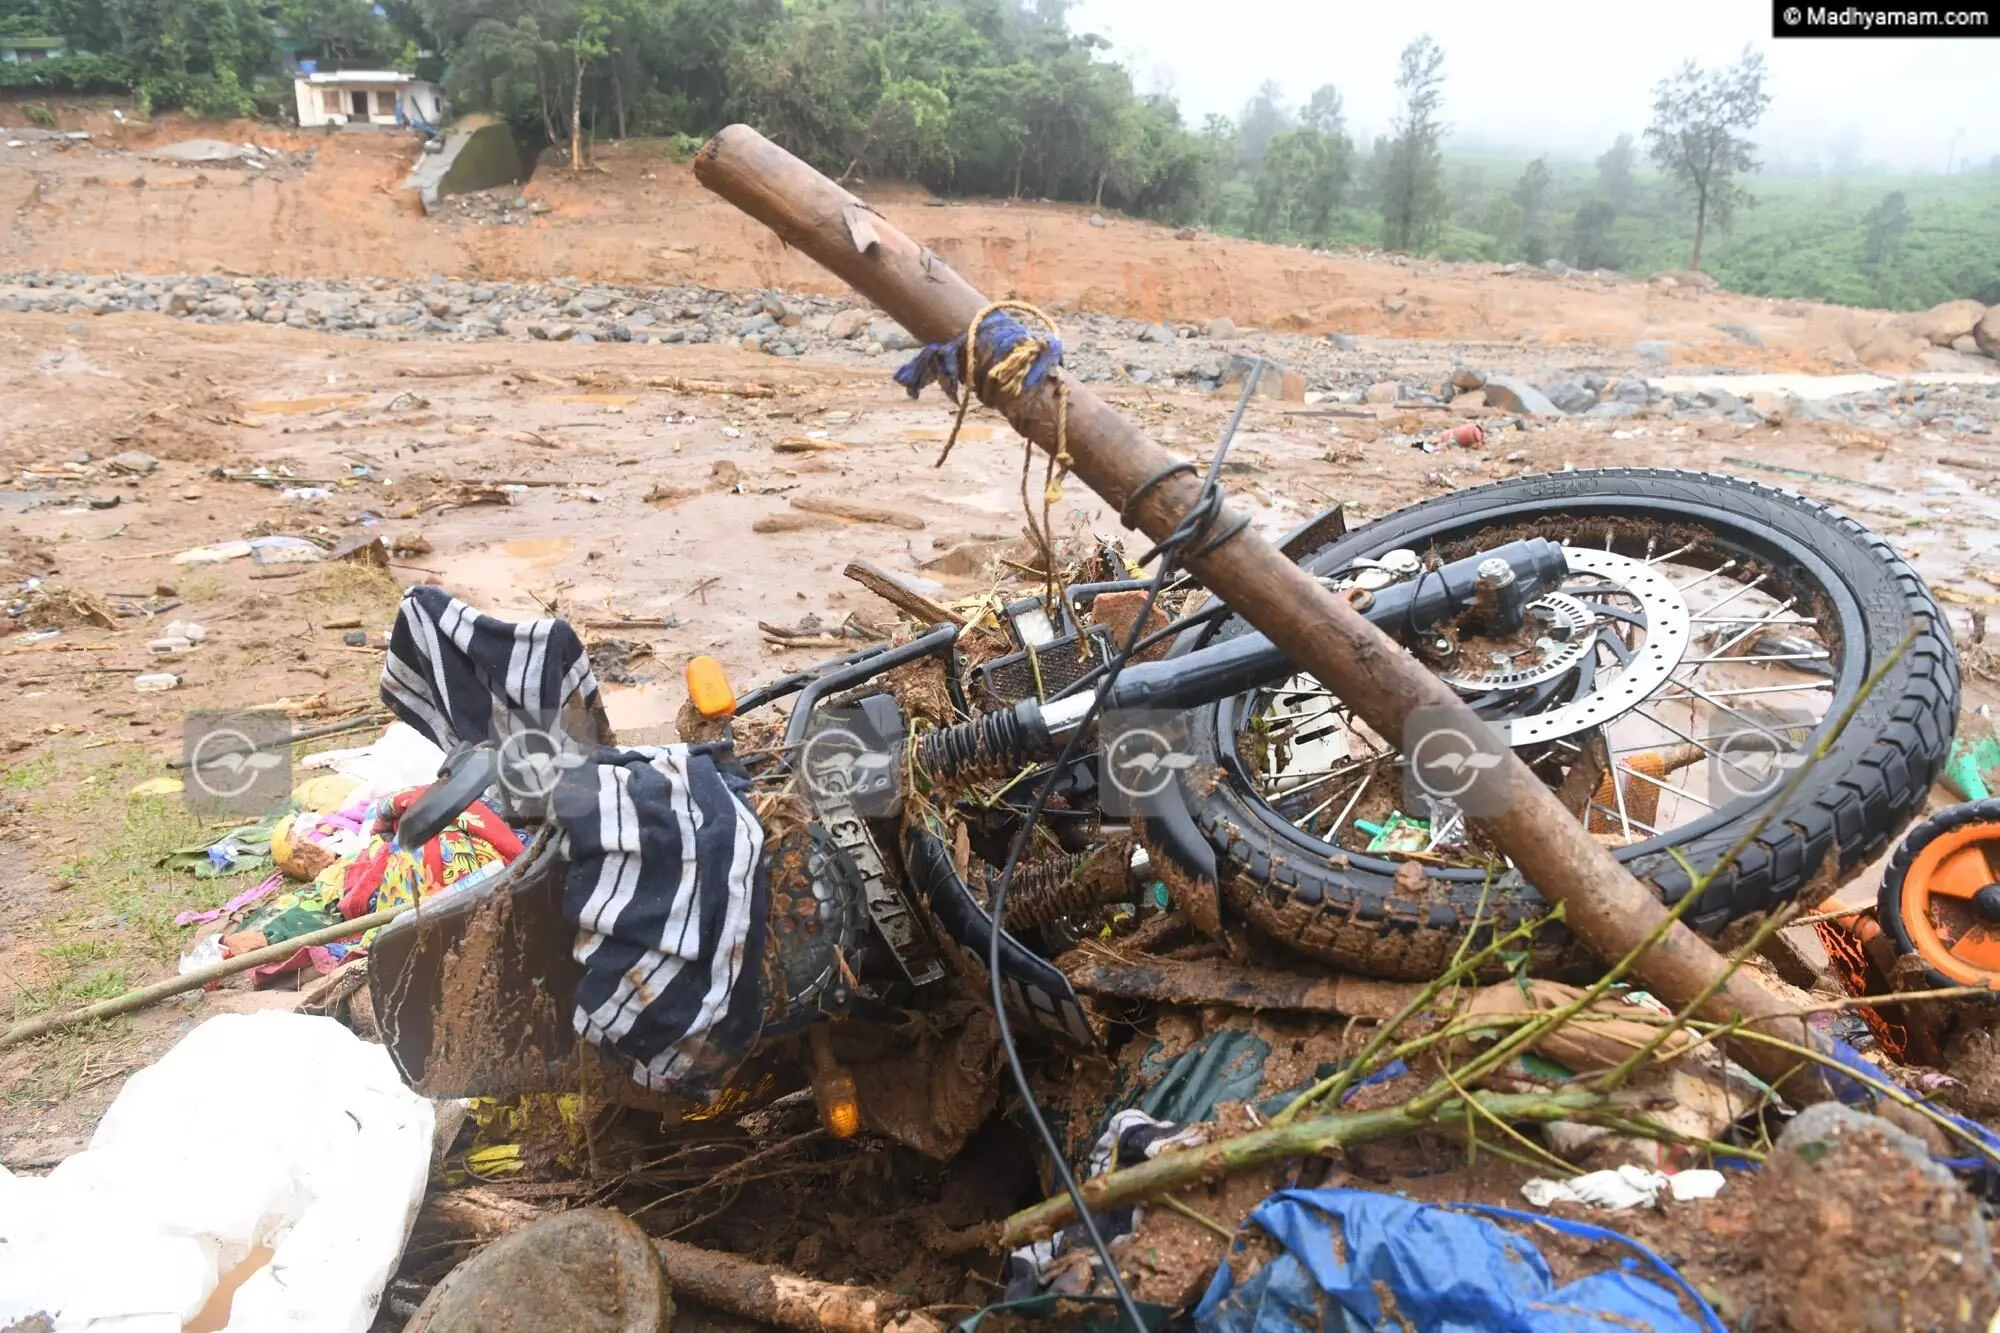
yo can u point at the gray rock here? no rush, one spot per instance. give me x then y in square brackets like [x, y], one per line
[594, 304]
[1139, 375]
[1741, 334]
[1613, 408]
[756, 324]
[584, 337]
[620, 333]
[137, 462]
[1394, 305]
[1570, 396]
[1653, 350]
[1097, 219]
[1557, 267]
[1813, 409]
[1840, 1181]
[891, 335]
[1344, 342]
[1516, 395]
[1594, 382]
[1720, 399]
[1156, 333]
[1208, 368]
[1222, 326]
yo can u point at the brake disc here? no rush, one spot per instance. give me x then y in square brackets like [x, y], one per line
[1662, 616]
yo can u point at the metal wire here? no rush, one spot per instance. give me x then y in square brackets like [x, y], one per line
[1192, 526]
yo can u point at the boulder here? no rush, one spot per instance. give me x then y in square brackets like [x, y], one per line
[1613, 407]
[1570, 395]
[891, 335]
[847, 324]
[1944, 324]
[1156, 333]
[1986, 333]
[1720, 399]
[1465, 379]
[1653, 350]
[1276, 382]
[1222, 326]
[1097, 219]
[1383, 391]
[1344, 342]
[1693, 279]
[1890, 346]
[1516, 395]
[1912, 1247]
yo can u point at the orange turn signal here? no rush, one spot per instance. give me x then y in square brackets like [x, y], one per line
[709, 688]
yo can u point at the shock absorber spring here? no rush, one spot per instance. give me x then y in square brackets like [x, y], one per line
[1052, 887]
[992, 745]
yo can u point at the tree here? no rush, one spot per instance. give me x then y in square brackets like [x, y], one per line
[1300, 184]
[1614, 173]
[1696, 138]
[585, 45]
[1590, 235]
[1264, 119]
[1531, 194]
[1413, 198]
[1887, 222]
[1324, 111]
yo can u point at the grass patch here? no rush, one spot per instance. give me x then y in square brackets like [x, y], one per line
[198, 583]
[364, 587]
[109, 919]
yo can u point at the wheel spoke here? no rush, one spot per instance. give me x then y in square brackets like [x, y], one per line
[1717, 572]
[1751, 689]
[1670, 790]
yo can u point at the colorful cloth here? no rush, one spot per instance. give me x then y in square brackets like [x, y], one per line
[386, 875]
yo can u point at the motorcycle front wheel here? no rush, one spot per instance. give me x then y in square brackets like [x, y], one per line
[1710, 638]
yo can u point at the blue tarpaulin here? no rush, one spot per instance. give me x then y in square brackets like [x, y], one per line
[1444, 1271]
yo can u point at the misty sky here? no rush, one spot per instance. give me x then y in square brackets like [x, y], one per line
[1558, 75]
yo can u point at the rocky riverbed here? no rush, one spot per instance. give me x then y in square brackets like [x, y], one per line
[1534, 381]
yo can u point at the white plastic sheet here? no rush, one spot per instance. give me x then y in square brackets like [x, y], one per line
[265, 1132]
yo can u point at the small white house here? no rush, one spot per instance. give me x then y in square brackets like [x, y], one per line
[367, 97]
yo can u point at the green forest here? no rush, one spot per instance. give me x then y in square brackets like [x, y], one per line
[1004, 97]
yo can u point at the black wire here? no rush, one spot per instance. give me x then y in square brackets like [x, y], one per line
[1192, 525]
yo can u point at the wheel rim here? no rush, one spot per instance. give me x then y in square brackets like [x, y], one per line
[1950, 919]
[1748, 587]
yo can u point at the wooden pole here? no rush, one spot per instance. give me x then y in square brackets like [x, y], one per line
[1609, 910]
[201, 976]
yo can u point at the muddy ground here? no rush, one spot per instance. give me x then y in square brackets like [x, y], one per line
[684, 486]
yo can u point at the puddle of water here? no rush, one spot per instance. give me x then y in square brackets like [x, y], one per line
[637, 708]
[539, 552]
[298, 406]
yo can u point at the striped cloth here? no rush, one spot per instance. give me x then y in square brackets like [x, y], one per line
[455, 674]
[666, 883]
[668, 890]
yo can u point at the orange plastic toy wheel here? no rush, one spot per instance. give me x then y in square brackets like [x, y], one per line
[1941, 895]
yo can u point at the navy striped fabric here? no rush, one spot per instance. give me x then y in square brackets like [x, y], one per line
[455, 674]
[667, 887]
[666, 884]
